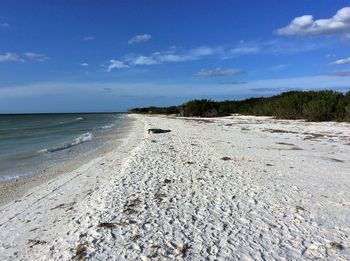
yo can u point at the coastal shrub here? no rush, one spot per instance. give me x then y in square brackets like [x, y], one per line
[323, 105]
[347, 113]
[289, 105]
[156, 110]
[346, 104]
[204, 108]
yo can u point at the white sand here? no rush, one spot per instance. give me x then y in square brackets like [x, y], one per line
[284, 194]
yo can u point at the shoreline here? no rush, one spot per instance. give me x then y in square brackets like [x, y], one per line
[240, 187]
[12, 190]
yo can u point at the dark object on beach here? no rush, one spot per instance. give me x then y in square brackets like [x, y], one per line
[160, 197]
[106, 225]
[34, 242]
[299, 208]
[225, 158]
[80, 251]
[59, 206]
[336, 246]
[156, 131]
[183, 249]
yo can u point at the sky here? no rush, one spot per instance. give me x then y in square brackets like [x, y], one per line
[87, 56]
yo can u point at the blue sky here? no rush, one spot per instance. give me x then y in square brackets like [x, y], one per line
[66, 56]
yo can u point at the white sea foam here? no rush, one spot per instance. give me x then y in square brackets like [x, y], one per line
[72, 121]
[82, 138]
[108, 126]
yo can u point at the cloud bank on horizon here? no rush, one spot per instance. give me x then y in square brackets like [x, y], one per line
[299, 47]
[218, 72]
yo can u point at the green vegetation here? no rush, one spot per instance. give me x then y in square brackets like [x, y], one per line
[310, 105]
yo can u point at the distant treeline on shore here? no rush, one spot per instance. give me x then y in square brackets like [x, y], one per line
[324, 105]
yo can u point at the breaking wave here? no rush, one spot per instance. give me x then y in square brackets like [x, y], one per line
[82, 138]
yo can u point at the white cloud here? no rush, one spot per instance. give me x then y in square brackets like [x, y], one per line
[204, 51]
[171, 55]
[13, 57]
[140, 38]
[279, 67]
[218, 72]
[306, 25]
[174, 55]
[330, 55]
[36, 56]
[89, 38]
[10, 57]
[234, 82]
[342, 61]
[340, 73]
[244, 50]
[144, 60]
[277, 46]
[84, 64]
[115, 64]
[4, 25]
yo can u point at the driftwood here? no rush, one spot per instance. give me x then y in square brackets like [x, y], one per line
[157, 131]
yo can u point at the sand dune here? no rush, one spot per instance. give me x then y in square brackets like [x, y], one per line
[211, 189]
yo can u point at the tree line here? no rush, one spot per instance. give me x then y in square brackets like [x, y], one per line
[323, 105]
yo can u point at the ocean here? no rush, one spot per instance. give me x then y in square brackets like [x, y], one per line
[32, 143]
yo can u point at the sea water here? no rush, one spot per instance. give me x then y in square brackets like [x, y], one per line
[31, 143]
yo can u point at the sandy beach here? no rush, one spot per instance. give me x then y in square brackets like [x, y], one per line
[231, 188]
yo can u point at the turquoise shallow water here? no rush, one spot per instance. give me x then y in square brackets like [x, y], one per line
[31, 143]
